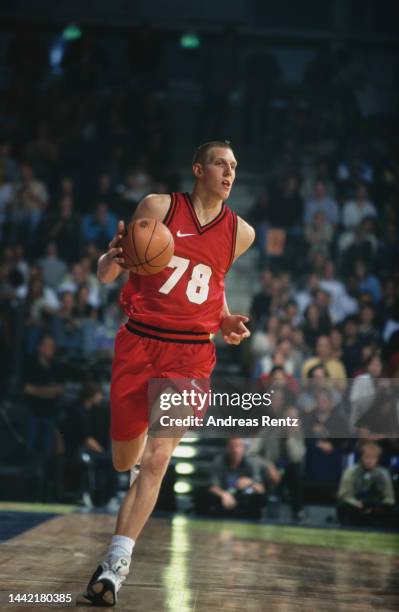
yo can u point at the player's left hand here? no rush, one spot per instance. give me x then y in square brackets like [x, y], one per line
[234, 330]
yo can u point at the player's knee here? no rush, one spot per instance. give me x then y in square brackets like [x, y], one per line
[156, 463]
[121, 463]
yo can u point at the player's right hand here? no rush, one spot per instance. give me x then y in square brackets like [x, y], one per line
[114, 252]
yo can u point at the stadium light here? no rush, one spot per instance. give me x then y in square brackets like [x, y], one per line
[184, 468]
[185, 452]
[182, 487]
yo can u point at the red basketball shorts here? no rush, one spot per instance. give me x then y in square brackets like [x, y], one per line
[137, 359]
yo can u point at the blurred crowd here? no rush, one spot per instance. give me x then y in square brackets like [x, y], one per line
[80, 146]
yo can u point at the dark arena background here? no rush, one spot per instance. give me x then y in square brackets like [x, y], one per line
[104, 102]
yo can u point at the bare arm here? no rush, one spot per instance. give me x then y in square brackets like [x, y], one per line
[233, 326]
[109, 267]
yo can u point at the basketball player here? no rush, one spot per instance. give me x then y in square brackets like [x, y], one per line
[171, 316]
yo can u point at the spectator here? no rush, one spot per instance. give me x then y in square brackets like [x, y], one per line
[85, 431]
[352, 345]
[342, 304]
[287, 204]
[334, 367]
[315, 325]
[367, 282]
[53, 268]
[354, 211]
[321, 202]
[262, 300]
[364, 390]
[368, 332]
[42, 388]
[365, 495]
[281, 456]
[319, 233]
[66, 327]
[236, 483]
[265, 342]
[31, 201]
[80, 275]
[100, 226]
[63, 228]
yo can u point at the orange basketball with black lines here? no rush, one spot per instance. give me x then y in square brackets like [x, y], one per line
[148, 246]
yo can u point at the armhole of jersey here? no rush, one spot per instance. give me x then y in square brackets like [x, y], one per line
[233, 240]
[168, 217]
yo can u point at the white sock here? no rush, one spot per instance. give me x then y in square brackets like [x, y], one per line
[121, 546]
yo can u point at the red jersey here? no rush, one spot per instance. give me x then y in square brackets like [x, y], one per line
[184, 302]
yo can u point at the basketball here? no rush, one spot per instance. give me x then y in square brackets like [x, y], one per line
[148, 246]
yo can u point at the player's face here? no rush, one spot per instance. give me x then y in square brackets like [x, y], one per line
[219, 172]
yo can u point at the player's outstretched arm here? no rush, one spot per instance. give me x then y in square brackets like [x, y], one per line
[232, 326]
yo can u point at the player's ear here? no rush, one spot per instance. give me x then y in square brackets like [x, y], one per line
[198, 170]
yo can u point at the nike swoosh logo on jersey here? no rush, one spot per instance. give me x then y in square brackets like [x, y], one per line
[180, 235]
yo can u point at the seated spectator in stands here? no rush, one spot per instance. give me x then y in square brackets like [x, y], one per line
[381, 421]
[341, 303]
[264, 342]
[365, 495]
[315, 325]
[366, 281]
[31, 199]
[334, 367]
[324, 422]
[285, 354]
[40, 303]
[287, 204]
[81, 275]
[362, 243]
[42, 388]
[321, 202]
[100, 226]
[53, 268]
[104, 191]
[336, 338]
[67, 327]
[137, 184]
[319, 235]
[352, 345]
[278, 379]
[63, 227]
[83, 309]
[261, 301]
[291, 314]
[354, 211]
[304, 297]
[364, 390]
[392, 324]
[368, 331]
[236, 483]
[85, 431]
[281, 456]
[317, 378]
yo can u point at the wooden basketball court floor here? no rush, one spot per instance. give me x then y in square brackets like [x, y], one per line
[189, 565]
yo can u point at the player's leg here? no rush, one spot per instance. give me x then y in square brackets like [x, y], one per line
[134, 512]
[155, 460]
[126, 453]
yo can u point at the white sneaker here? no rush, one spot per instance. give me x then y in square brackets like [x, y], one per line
[107, 580]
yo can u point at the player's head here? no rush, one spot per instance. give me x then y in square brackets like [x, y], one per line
[214, 167]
